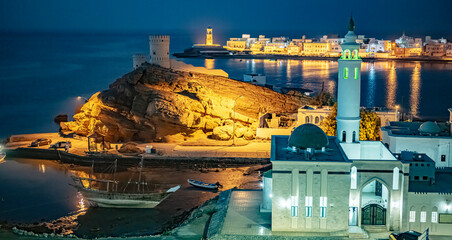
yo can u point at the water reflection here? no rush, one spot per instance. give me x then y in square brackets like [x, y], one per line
[391, 86]
[371, 86]
[209, 63]
[415, 89]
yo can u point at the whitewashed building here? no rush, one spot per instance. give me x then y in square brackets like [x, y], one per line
[339, 186]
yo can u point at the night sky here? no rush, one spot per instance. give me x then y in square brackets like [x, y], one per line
[292, 18]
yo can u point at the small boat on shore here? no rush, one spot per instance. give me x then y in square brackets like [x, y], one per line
[205, 185]
[110, 197]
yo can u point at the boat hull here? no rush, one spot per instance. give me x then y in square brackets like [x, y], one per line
[121, 200]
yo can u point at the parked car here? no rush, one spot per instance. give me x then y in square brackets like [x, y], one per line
[40, 142]
[409, 235]
[61, 144]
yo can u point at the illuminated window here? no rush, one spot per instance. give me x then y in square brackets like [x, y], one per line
[353, 178]
[317, 120]
[307, 119]
[323, 203]
[434, 217]
[423, 217]
[308, 203]
[356, 73]
[346, 73]
[294, 208]
[412, 216]
[395, 179]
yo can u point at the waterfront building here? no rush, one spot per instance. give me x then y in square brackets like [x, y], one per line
[316, 48]
[159, 50]
[293, 49]
[431, 138]
[434, 49]
[448, 47]
[340, 185]
[236, 44]
[138, 59]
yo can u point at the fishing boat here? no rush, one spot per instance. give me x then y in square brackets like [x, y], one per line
[205, 185]
[110, 197]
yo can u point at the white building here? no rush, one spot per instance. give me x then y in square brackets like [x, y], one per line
[433, 139]
[159, 50]
[341, 186]
[138, 60]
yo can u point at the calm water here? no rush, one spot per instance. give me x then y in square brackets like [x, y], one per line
[42, 74]
[39, 191]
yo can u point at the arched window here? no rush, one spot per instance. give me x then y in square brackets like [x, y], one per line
[423, 215]
[307, 119]
[317, 120]
[344, 136]
[354, 136]
[347, 54]
[353, 178]
[395, 179]
[346, 73]
[434, 215]
[355, 54]
[356, 72]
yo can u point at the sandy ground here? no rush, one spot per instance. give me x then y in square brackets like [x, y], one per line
[252, 149]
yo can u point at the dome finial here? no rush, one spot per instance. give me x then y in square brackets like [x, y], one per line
[351, 24]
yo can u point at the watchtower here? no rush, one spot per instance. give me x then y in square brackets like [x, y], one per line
[159, 50]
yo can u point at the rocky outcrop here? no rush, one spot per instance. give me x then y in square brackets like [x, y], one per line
[152, 103]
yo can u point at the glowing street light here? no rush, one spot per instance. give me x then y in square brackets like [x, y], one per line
[233, 122]
[397, 113]
[85, 99]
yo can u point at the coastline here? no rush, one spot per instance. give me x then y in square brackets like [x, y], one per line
[288, 57]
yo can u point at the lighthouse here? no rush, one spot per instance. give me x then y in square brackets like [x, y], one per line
[349, 88]
[209, 38]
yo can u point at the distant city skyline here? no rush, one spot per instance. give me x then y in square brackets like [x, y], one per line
[380, 19]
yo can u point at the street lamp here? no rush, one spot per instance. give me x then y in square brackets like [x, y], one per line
[233, 122]
[397, 113]
[80, 97]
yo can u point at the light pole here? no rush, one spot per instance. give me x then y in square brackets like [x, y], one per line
[85, 99]
[397, 113]
[233, 122]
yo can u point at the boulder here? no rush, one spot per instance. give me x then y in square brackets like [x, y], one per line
[130, 147]
[152, 102]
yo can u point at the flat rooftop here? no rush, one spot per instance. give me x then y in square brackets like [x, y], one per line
[443, 180]
[281, 152]
[412, 129]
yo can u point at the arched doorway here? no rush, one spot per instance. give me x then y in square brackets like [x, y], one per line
[374, 199]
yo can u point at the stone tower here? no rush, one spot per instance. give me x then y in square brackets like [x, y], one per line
[209, 38]
[349, 88]
[159, 50]
[138, 60]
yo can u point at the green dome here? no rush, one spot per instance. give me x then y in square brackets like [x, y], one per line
[308, 136]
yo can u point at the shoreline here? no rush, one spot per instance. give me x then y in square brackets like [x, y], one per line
[288, 57]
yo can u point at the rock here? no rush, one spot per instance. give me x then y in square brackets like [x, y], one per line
[154, 102]
[249, 135]
[60, 118]
[239, 132]
[222, 132]
[130, 147]
[175, 138]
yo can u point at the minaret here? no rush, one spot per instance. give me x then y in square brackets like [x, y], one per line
[349, 88]
[209, 39]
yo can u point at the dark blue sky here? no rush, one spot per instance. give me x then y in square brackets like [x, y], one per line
[380, 18]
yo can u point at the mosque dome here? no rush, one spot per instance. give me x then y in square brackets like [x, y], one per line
[429, 128]
[308, 136]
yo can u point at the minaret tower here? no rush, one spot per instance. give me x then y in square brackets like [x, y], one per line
[209, 39]
[349, 88]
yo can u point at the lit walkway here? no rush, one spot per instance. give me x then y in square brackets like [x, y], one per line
[243, 216]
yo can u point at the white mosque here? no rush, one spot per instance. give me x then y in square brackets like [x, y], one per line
[325, 184]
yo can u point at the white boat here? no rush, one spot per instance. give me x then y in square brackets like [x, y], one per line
[112, 198]
[200, 184]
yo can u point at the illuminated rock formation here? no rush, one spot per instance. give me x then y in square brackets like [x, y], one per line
[155, 103]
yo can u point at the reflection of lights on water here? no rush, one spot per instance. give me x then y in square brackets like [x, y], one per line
[209, 63]
[371, 93]
[42, 168]
[81, 204]
[392, 86]
[415, 89]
